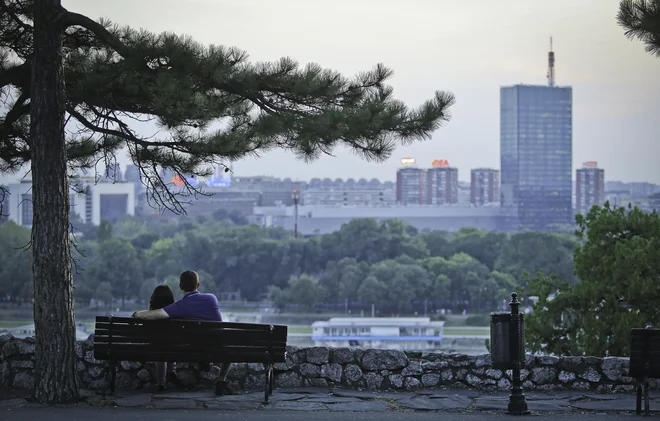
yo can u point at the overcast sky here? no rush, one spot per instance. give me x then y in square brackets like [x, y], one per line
[470, 48]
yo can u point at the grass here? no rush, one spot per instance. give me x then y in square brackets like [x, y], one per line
[467, 331]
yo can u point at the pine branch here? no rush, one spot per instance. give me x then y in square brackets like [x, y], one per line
[641, 20]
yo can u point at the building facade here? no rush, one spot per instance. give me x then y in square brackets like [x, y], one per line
[411, 186]
[484, 186]
[89, 203]
[536, 157]
[348, 197]
[589, 188]
[442, 186]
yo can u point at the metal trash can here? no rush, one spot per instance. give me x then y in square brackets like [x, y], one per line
[500, 341]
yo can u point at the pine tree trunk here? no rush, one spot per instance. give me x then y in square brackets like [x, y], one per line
[55, 368]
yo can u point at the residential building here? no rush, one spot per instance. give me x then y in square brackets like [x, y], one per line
[411, 185]
[348, 197]
[484, 186]
[589, 187]
[441, 185]
[89, 202]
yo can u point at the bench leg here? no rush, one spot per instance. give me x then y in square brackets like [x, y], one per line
[267, 385]
[638, 400]
[113, 377]
[646, 397]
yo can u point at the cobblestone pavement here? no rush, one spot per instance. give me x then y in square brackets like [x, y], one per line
[343, 400]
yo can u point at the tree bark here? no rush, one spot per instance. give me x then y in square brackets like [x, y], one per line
[55, 368]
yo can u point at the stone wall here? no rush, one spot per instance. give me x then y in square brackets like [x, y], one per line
[349, 368]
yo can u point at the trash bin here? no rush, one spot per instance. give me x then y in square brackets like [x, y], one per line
[500, 341]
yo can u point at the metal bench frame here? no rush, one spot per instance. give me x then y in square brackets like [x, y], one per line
[111, 367]
[643, 379]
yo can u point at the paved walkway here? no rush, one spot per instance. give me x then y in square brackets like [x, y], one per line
[344, 400]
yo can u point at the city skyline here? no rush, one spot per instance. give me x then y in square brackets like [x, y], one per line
[440, 45]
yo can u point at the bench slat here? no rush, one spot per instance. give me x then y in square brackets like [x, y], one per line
[219, 356]
[119, 348]
[187, 340]
[116, 321]
[227, 335]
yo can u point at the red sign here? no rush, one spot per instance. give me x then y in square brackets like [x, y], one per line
[178, 181]
[439, 163]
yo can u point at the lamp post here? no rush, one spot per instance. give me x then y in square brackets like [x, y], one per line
[295, 196]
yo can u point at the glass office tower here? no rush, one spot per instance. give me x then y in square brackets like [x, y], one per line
[536, 157]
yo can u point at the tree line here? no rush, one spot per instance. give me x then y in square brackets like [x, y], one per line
[390, 264]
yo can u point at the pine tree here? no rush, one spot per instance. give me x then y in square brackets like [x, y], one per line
[641, 20]
[211, 104]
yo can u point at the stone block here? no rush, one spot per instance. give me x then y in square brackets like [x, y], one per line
[613, 368]
[23, 380]
[430, 380]
[374, 381]
[396, 380]
[21, 364]
[316, 382]
[288, 380]
[543, 375]
[434, 366]
[342, 355]
[590, 375]
[412, 383]
[383, 359]
[255, 368]
[413, 369]
[4, 374]
[352, 374]
[332, 372]
[4, 338]
[308, 370]
[318, 355]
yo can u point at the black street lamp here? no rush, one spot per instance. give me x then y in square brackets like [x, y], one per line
[507, 349]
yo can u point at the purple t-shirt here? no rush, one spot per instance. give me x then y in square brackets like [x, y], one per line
[195, 306]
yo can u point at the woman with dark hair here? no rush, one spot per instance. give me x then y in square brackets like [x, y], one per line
[162, 297]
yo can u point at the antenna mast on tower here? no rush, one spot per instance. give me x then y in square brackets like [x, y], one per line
[551, 66]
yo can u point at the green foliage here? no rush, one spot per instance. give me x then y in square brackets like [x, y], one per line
[386, 264]
[15, 263]
[619, 270]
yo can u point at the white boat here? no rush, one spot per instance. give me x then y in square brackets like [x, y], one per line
[406, 333]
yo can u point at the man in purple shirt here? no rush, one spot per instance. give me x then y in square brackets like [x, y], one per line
[193, 306]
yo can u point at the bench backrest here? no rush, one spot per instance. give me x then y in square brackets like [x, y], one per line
[130, 339]
[644, 349]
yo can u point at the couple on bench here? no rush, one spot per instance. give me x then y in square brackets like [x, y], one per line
[193, 306]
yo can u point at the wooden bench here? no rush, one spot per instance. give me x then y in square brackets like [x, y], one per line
[119, 339]
[644, 361]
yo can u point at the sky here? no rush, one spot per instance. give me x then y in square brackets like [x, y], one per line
[469, 48]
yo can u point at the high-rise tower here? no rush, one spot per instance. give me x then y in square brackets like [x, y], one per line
[536, 155]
